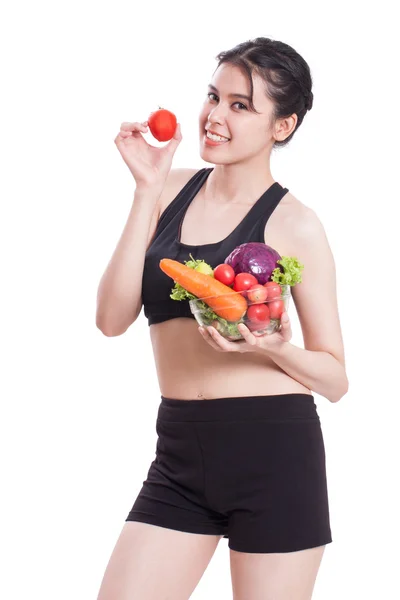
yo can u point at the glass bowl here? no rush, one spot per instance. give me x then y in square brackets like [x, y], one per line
[263, 319]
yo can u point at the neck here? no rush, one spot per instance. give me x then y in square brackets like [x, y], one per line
[239, 183]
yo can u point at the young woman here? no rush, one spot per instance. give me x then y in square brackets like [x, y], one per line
[240, 453]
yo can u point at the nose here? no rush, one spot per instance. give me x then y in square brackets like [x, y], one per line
[217, 116]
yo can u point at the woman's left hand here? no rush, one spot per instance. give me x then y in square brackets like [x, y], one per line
[250, 343]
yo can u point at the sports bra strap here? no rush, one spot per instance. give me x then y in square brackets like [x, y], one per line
[186, 194]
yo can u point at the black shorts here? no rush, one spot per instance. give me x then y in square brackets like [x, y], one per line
[249, 468]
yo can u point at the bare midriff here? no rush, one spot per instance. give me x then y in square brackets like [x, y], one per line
[189, 368]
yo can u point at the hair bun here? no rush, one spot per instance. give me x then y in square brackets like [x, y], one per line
[309, 101]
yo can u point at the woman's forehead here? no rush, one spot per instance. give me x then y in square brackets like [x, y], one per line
[231, 80]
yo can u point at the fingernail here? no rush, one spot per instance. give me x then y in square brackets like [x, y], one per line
[285, 318]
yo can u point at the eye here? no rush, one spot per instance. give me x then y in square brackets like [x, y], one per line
[242, 106]
[211, 94]
[215, 98]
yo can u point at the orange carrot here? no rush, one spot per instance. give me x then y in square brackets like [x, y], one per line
[224, 301]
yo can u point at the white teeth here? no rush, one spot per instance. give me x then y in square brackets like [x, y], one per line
[216, 138]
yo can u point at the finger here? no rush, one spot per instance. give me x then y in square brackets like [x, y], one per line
[222, 343]
[136, 126]
[176, 140]
[207, 337]
[129, 130]
[125, 134]
[247, 335]
[286, 328]
[285, 319]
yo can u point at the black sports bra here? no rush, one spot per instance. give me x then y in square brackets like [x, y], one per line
[156, 285]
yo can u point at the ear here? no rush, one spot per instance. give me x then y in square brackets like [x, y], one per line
[284, 127]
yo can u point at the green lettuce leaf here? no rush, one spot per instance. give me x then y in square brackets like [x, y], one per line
[179, 293]
[291, 274]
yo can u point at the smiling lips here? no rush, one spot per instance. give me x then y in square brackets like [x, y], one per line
[215, 139]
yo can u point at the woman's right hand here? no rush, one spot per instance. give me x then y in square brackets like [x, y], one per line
[148, 164]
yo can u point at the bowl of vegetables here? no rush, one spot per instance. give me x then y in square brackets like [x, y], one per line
[261, 310]
[252, 286]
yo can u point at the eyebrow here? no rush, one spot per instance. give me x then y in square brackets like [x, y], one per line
[212, 87]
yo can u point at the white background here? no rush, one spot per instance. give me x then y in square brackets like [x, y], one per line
[78, 409]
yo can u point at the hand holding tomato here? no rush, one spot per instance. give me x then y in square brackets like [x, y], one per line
[148, 164]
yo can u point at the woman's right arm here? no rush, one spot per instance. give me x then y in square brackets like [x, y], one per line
[119, 295]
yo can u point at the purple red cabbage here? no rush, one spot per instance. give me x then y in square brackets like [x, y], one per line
[256, 258]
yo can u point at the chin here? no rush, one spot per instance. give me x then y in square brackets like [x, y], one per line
[208, 155]
[214, 160]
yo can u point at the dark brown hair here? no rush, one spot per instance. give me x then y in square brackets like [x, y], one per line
[286, 74]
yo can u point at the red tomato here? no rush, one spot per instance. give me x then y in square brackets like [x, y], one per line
[257, 294]
[244, 281]
[274, 289]
[162, 124]
[258, 313]
[225, 274]
[255, 325]
[276, 308]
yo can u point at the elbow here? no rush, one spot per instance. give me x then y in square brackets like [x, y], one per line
[109, 330]
[341, 392]
[110, 333]
[117, 324]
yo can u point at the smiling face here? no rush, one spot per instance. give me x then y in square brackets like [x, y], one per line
[226, 112]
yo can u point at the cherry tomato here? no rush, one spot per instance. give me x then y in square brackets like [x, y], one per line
[225, 274]
[276, 308]
[162, 124]
[274, 289]
[257, 294]
[258, 313]
[244, 281]
[255, 325]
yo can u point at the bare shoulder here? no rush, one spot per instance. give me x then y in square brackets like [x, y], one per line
[177, 179]
[301, 225]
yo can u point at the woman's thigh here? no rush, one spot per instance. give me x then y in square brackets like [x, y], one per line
[283, 576]
[156, 563]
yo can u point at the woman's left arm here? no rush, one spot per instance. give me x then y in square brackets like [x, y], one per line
[320, 365]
